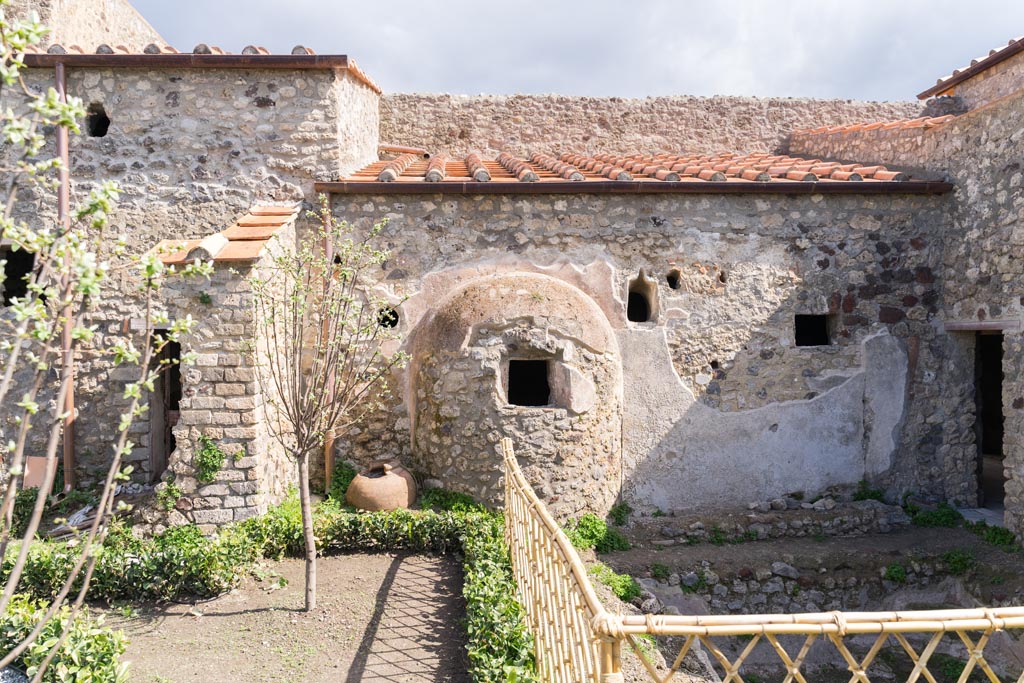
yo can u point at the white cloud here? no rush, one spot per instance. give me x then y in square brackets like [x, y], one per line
[872, 49]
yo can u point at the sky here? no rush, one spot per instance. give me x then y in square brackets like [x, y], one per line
[851, 49]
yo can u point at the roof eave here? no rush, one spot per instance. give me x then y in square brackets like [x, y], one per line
[973, 70]
[914, 187]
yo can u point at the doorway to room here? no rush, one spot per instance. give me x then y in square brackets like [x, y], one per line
[988, 426]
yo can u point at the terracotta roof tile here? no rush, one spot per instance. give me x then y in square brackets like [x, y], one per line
[978, 65]
[924, 122]
[242, 242]
[676, 172]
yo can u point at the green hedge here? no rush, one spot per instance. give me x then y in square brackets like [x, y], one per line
[181, 562]
[90, 652]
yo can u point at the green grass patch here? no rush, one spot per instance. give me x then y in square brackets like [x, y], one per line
[590, 531]
[896, 573]
[994, 535]
[619, 513]
[865, 492]
[959, 562]
[624, 586]
[942, 516]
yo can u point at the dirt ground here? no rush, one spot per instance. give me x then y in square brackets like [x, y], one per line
[380, 618]
[998, 574]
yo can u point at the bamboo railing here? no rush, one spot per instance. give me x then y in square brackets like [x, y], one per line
[577, 639]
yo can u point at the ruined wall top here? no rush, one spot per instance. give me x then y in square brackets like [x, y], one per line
[89, 23]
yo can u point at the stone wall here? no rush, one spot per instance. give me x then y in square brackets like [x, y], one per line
[980, 152]
[90, 23]
[771, 418]
[557, 123]
[191, 150]
[994, 83]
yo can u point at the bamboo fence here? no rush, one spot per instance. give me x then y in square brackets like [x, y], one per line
[577, 640]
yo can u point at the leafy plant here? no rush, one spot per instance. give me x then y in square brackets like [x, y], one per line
[590, 531]
[449, 501]
[717, 536]
[620, 513]
[959, 561]
[168, 496]
[624, 586]
[942, 516]
[208, 459]
[896, 573]
[660, 571]
[89, 652]
[701, 583]
[659, 513]
[865, 492]
[995, 535]
[340, 479]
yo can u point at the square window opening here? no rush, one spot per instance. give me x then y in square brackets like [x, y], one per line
[528, 383]
[17, 272]
[812, 330]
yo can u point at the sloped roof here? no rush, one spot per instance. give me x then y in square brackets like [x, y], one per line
[242, 242]
[995, 56]
[923, 122]
[601, 173]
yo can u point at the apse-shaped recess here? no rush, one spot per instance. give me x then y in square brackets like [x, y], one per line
[641, 299]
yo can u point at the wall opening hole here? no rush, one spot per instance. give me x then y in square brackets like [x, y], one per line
[528, 383]
[640, 299]
[337, 259]
[714, 365]
[96, 120]
[387, 317]
[988, 426]
[673, 279]
[812, 330]
[17, 272]
[721, 276]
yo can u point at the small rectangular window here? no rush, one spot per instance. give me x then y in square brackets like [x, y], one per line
[812, 330]
[16, 273]
[528, 383]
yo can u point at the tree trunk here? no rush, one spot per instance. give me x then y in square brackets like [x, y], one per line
[307, 531]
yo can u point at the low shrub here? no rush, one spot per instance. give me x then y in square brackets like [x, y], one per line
[449, 501]
[590, 531]
[865, 492]
[620, 513]
[340, 479]
[624, 586]
[660, 571]
[90, 652]
[896, 573]
[958, 561]
[995, 535]
[942, 516]
[208, 459]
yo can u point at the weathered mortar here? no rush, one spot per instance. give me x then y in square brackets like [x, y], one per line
[869, 261]
[191, 150]
[458, 124]
[981, 275]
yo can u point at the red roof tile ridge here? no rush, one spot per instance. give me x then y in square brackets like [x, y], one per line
[977, 66]
[243, 241]
[563, 169]
[522, 170]
[476, 168]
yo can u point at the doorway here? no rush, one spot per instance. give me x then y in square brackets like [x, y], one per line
[164, 408]
[988, 425]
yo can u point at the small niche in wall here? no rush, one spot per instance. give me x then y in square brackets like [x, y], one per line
[528, 382]
[673, 279]
[96, 120]
[387, 317]
[812, 330]
[640, 299]
[18, 270]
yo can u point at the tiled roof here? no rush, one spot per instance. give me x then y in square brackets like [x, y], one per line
[567, 172]
[242, 242]
[976, 66]
[201, 56]
[923, 122]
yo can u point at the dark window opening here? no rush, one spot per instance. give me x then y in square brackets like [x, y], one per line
[637, 308]
[812, 330]
[528, 383]
[387, 317]
[96, 120]
[673, 279]
[165, 406]
[988, 396]
[17, 273]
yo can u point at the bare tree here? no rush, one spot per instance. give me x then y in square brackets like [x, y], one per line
[320, 335]
[49, 315]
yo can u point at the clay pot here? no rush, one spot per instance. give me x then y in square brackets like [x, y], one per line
[383, 486]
